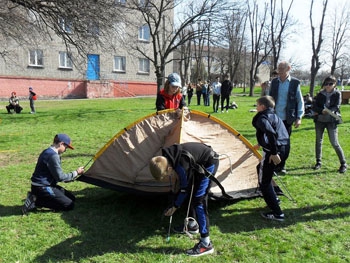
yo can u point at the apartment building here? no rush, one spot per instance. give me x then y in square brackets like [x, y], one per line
[55, 72]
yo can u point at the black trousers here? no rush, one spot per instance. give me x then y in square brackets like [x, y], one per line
[53, 197]
[265, 173]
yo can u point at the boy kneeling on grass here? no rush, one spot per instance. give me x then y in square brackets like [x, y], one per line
[179, 161]
[273, 137]
[45, 192]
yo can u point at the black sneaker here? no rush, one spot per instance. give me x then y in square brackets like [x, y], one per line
[181, 229]
[342, 168]
[200, 249]
[317, 166]
[272, 216]
[29, 203]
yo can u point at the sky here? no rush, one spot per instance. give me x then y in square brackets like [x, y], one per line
[298, 48]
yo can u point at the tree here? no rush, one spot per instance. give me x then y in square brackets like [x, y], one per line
[280, 23]
[316, 45]
[260, 39]
[233, 37]
[165, 35]
[80, 24]
[340, 35]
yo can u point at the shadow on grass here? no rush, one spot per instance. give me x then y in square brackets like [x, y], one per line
[113, 222]
[250, 219]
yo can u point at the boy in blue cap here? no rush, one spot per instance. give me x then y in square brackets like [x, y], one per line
[48, 172]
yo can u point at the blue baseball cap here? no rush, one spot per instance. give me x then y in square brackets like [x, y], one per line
[61, 137]
[174, 79]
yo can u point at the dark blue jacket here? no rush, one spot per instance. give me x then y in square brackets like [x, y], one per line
[48, 171]
[292, 103]
[270, 131]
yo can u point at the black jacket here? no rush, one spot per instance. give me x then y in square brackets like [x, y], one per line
[270, 131]
[321, 101]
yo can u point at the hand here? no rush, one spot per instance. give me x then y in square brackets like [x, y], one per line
[80, 170]
[256, 147]
[170, 211]
[297, 123]
[276, 159]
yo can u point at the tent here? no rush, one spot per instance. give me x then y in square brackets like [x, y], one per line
[122, 164]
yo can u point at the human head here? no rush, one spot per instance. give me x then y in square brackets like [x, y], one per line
[30, 88]
[159, 168]
[13, 94]
[274, 74]
[64, 139]
[283, 69]
[265, 102]
[174, 80]
[173, 84]
[329, 83]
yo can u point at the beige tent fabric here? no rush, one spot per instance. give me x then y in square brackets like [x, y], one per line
[123, 161]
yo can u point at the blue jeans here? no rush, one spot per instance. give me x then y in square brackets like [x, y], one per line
[332, 130]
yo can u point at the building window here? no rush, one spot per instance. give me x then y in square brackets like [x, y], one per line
[119, 64]
[65, 60]
[36, 58]
[93, 28]
[120, 29]
[144, 34]
[144, 65]
[65, 25]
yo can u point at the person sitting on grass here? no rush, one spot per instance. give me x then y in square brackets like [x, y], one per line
[178, 161]
[14, 104]
[45, 192]
[273, 137]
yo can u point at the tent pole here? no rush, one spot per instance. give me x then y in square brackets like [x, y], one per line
[289, 196]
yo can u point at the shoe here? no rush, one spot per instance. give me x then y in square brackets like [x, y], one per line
[200, 249]
[283, 171]
[272, 216]
[191, 230]
[29, 203]
[342, 168]
[317, 166]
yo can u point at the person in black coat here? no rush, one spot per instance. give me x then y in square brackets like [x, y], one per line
[273, 137]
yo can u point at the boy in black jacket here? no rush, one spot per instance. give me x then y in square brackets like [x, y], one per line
[273, 137]
[175, 162]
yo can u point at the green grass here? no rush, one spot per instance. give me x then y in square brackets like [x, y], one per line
[108, 226]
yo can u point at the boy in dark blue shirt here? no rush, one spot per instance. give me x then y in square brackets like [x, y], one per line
[273, 137]
[45, 192]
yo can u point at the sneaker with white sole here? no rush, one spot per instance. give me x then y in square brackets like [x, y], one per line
[181, 229]
[200, 249]
[273, 216]
[29, 203]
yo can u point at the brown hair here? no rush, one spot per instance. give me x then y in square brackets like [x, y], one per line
[329, 79]
[267, 101]
[167, 87]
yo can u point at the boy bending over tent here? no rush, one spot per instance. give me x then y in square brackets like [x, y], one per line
[192, 164]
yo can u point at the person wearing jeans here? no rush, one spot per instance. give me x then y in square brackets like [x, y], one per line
[328, 100]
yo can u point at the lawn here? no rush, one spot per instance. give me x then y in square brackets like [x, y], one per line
[109, 226]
